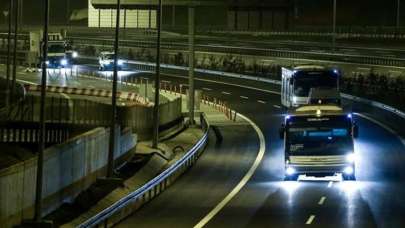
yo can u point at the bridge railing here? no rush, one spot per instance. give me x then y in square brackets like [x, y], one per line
[154, 186]
[28, 132]
[333, 57]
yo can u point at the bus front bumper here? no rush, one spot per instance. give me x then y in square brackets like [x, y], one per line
[320, 170]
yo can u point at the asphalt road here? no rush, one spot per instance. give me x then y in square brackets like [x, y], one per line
[370, 48]
[374, 200]
[268, 201]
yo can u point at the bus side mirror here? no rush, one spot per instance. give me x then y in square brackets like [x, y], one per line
[355, 131]
[281, 131]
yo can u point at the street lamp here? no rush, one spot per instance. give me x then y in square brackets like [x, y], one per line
[334, 27]
[40, 161]
[398, 14]
[13, 81]
[110, 165]
[191, 42]
[8, 14]
[157, 79]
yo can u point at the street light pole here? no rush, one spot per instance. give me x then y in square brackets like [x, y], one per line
[38, 195]
[16, 11]
[334, 27]
[110, 165]
[398, 14]
[10, 10]
[191, 34]
[21, 10]
[157, 80]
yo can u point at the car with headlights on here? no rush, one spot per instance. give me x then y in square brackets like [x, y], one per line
[106, 61]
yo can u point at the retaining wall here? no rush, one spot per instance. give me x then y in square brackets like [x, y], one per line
[69, 169]
[86, 112]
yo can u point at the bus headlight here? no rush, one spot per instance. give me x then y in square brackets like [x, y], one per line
[294, 99]
[351, 158]
[348, 170]
[290, 171]
[64, 62]
[75, 54]
[47, 62]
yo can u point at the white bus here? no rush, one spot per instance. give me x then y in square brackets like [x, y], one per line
[297, 82]
[319, 141]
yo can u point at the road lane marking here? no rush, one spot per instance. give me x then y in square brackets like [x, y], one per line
[229, 84]
[277, 106]
[226, 93]
[330, 184]
[363, 68]
[27, 82]
[402, 140]
[244, 97]
[244, 180]
[262, 102]
[310, 220]
[322, 200]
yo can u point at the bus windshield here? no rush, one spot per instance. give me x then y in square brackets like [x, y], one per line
[304, 81]
[319, 138]
[109, 56]
[56, 48]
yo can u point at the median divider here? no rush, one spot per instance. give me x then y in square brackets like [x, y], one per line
[216, 103]
[275, 82]
[134, 97]
[126, 205]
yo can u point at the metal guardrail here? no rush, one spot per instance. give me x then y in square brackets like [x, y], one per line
[161, 180]
[270, 52]
[333, 57]
[28, 132]
[150, 66]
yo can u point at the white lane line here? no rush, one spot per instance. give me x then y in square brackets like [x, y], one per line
[402, 140]
[207, 89]
[244, 180]
[27, 82]
[363, 68]
[277, 106]
[322, 200]
[262, 102]
[230, 84]
[310, 220]
[330, 184]
[226, 93]
[244, 97]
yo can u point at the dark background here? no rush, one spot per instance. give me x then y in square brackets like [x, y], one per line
[297, 12]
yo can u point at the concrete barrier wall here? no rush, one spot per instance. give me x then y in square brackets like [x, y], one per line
[140, 119]
[69, 169]
[81, 111]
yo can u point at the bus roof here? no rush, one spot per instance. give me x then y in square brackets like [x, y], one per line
[318, 110]
[309, 68]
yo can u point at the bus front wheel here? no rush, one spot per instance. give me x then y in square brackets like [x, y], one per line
[349, 177]
[291, 177]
